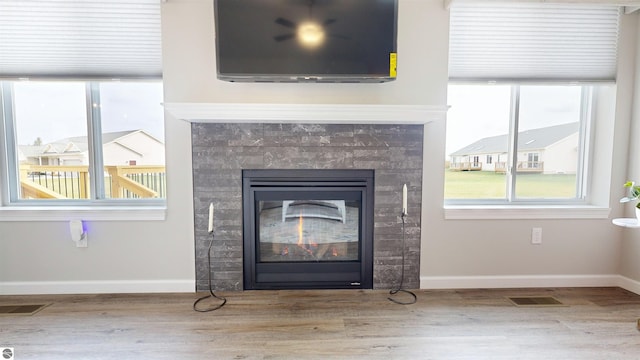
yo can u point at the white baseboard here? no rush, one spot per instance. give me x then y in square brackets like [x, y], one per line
[96, 287]
[426, 282]
[522, 281]
[629, 284]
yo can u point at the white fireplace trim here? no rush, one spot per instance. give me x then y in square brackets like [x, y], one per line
[306, 113]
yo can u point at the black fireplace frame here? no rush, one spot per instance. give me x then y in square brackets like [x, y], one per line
[308, 275]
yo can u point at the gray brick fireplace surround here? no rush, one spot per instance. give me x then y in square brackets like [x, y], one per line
[222, 150]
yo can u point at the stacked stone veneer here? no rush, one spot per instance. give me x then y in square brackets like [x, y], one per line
[222, 151]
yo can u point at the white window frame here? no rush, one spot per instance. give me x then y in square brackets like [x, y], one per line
[510, 207]
[56, 52]
[479, 52]
[97, 207]
[511, 176]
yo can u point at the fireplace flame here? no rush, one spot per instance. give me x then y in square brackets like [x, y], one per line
[334, 251]
[301, 241]
[300, 235]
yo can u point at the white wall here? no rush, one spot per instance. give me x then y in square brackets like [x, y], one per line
[630, 264]
[159, 255]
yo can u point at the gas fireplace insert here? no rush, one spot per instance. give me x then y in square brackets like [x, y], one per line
[308, 229]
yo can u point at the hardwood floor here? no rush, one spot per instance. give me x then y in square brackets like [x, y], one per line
[595, 323]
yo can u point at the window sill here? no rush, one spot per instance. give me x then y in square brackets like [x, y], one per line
[66, 213]
[509, 212]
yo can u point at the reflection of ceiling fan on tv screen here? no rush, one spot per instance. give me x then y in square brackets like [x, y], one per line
[250, 38]
[309, 33]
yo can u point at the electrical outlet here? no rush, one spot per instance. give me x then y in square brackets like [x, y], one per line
[536, 236]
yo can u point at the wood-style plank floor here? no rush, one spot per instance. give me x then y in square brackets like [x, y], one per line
[596, 323]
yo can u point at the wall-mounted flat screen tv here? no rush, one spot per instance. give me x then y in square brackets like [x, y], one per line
[306, 40]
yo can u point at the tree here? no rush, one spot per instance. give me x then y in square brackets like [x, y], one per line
[38, 141]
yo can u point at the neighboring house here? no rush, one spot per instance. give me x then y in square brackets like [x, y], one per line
[132, 147]
[549, 150]
[32, 155]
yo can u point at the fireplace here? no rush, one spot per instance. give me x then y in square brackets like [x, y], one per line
[308, 229]
[223, 150]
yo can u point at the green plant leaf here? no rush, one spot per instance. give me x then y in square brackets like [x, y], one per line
[634, 193]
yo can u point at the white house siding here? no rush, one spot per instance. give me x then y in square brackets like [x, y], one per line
[494, 159]
[562, 157]
[482, 159]
[460, 159]
[116, 154]
[66, 159]
[71, 161]
[523, 157]
[145, 150]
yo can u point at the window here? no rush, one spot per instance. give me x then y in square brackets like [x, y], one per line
[543, 162]
[522, 83]
[74, 141]
[81, 121]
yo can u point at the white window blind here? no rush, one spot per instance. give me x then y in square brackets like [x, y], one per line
[80, 39]
[533, 42]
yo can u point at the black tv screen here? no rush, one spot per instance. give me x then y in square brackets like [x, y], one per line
[306, 40]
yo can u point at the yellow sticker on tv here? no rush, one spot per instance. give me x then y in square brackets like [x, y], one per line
[393, 64]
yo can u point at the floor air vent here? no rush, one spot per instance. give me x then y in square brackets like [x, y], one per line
[21, 309]
[535, 301]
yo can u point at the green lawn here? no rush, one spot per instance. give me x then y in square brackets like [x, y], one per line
[489, 185]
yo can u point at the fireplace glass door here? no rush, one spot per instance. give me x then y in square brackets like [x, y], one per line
[307, 232]
[307, 228]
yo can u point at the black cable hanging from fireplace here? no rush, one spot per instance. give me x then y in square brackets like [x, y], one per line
[400, 288]
[211, 294]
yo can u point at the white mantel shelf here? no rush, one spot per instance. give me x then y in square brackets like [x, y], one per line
[306, 113]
